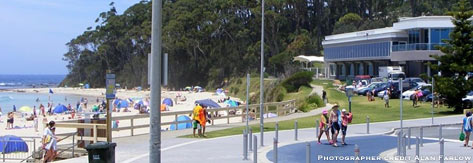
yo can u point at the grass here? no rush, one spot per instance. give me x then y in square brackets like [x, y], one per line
[360, 109]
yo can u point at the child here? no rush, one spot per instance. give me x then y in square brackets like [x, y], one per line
[346, 118]
[324, 126]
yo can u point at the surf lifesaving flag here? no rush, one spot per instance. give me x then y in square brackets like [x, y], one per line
[51, 91]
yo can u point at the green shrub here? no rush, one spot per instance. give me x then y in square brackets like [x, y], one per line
[315, 99]
[294, 82]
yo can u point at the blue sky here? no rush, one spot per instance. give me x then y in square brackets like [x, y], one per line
[33, 33]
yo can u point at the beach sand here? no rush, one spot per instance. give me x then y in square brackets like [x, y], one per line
[26, 127]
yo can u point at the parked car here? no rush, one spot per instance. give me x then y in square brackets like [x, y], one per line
[424, 88]
[395, 91]
[370, 87]
[468, 100]
[419, 81]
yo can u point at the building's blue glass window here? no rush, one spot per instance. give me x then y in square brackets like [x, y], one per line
[358, 51]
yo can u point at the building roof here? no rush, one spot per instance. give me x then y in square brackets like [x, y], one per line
[399, 29]
[371, 34]
[303, 58]
[424, 22]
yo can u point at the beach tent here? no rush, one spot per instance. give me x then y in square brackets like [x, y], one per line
[182, 125]
[168, 102]
[60, 109]
[25, 109]
[208, 103]
[231, 103]
[12, 144]
[122, 104]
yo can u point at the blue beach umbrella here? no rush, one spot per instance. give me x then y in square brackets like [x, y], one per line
[60, 109]
[183, 125]
[12, 144]
[208, 103]
[168, 102]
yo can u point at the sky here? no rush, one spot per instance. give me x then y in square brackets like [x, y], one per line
[34, 33]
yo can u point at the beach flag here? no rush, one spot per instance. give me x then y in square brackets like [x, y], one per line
[51, 91]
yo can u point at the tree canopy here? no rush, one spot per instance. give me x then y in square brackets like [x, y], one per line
[211, 41]
[458, 59]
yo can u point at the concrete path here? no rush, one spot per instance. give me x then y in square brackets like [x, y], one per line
[316, 89]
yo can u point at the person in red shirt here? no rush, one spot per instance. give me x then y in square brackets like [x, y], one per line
[346, 118]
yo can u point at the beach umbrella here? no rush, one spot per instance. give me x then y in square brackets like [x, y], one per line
[188, 88]
[60, 109]
[182, 125]
[12, 144]
[122, 104]
[168, 102]
[25, 109]
[208, 103]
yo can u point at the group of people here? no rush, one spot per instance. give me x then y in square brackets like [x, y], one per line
[333, 122]
[416, 96]
[200, 117]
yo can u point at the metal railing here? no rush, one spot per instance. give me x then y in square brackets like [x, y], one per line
[38, 154]
[31, 143]
[278, 108]
[416, 46]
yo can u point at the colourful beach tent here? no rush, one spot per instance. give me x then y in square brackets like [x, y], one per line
[182, 124]
[12, 144]
[60, 109]
[168, 102]
[208, 103]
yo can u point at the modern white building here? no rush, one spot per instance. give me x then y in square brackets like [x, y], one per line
[409, 43]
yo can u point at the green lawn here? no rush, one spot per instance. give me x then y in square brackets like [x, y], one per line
[360, 109]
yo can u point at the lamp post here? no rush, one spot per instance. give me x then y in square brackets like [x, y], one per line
[155, 115]
[349, 93]
[262, 75]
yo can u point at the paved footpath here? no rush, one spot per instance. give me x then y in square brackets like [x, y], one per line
[229, 149]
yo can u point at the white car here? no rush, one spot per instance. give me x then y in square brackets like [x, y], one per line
[407, 94]
[468, 97]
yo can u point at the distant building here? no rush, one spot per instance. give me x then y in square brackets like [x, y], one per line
[409, 43]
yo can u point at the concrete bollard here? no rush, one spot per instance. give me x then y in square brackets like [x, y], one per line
[417, 149]
[307, 152]
[399, 143]
[276, 130]
[404, 147]
[250, 138]
[357, 153]
[255, 149]
[245, 145]
[295, 130]
[440, 132]
[409, 138]
[442, 152]
[275, 150]
[421, 136]
[317, 128]
[367, 124]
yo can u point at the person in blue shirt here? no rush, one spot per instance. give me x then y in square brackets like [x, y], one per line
[467, 128]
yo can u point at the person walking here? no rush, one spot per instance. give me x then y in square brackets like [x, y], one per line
[196, 119]
[335, 123]
[50, 142]
[386, 98]
[346, 118]
[324, 96]
[323, 126]
[467, 128]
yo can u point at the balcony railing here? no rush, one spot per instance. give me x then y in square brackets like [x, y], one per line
[417, 46]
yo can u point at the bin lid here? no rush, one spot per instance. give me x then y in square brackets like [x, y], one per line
[101, 145]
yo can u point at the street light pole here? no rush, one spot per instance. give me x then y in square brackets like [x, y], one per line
[155, 115]
[262, 75]
[400, 100]
[247, 100]
[433, 97]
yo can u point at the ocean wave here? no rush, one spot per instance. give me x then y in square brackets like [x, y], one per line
[10, 84]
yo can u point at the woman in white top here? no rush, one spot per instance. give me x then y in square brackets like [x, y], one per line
[50, 142]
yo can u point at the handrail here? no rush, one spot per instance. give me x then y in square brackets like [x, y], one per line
[71, 134]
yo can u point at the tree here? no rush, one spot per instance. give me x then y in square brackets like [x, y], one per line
[458, 58]
[348, 23]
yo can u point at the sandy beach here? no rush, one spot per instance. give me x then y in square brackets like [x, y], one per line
[25, 128]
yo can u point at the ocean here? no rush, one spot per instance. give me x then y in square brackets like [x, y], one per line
[19, 99]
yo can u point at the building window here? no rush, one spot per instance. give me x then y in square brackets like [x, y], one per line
[332, 69]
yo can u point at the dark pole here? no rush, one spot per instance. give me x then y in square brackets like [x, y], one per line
[155, 115]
